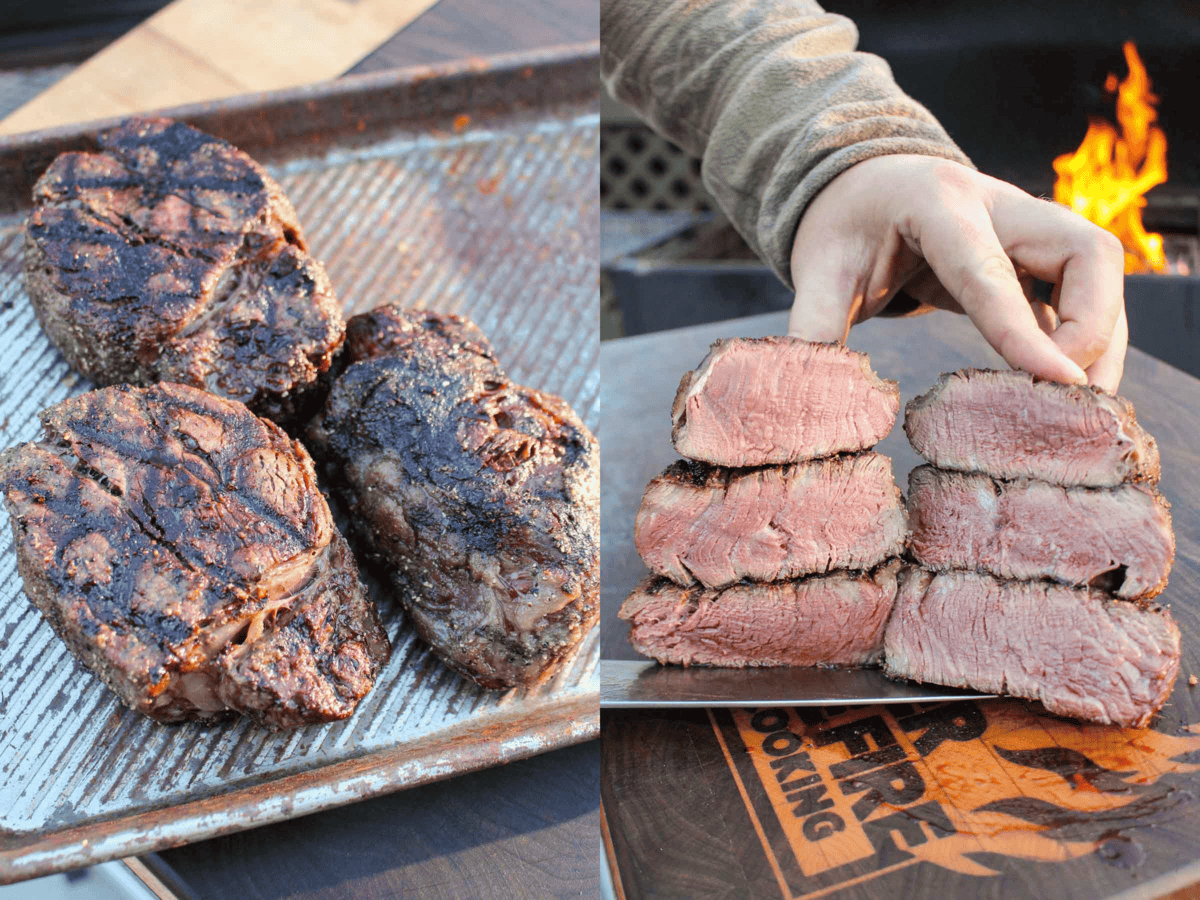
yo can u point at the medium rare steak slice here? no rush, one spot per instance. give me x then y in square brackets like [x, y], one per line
[180, 547]
[1079, 652]
[766, 401]
[1011, 425]
[480, 496]
[717, 526]
[1118, 539]
[826, 620]
[172, 256]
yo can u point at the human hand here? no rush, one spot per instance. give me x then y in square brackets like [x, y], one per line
[955, 239]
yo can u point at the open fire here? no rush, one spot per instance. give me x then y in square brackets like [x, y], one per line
[1107, 178]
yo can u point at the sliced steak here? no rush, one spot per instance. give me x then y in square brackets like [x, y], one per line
[717, 526]
[1118, 539]
[1078, 651]
[1012, 425]
[180, 547]
[755, 402]
[480, 497]
[172, 256]
[826, 620]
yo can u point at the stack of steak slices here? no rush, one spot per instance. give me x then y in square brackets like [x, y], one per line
[1041, 539]
[775, 541]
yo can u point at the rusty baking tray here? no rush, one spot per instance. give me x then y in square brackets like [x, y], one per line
[470, 188]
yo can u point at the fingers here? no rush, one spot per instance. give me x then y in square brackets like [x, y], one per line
[958, 239]
[1106, 371]
[1046, 318]
[821, 313]
[1086, 263]
[847, 260]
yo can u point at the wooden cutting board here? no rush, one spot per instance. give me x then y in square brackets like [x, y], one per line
[979, 799]
[197, 50]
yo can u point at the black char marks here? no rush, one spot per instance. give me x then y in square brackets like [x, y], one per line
[180, 547]
[480, 496]
[173, 256]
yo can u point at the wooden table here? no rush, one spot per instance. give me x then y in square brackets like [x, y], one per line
[988, 799]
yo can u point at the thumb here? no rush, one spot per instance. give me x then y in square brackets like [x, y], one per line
[826, 299]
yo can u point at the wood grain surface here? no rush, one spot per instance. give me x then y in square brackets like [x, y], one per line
[454, 29]
[529, 829]
[1018, 801]
[195, 50]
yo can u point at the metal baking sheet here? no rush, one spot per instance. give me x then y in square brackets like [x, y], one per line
[470, 188]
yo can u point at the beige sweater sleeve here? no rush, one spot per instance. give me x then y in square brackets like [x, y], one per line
[770, 94]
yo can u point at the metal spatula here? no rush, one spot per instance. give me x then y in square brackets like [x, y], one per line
[626, 684]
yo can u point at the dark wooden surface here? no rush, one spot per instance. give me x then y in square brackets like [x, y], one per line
[456, 29]
[678, 822]
[529, 829]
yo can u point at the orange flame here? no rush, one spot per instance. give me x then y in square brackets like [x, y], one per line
[1107, 177]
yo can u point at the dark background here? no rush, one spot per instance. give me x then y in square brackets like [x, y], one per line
[1015, 81]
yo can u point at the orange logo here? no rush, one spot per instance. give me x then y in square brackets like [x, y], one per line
[843, 796]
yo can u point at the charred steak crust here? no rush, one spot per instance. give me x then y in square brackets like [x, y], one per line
[180, 547]
[773, 400]
[172, 256]
[836, 619]
[480, 497]
[392, 327]
[1012, 425]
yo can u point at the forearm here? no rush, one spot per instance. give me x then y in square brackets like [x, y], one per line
[772, 96]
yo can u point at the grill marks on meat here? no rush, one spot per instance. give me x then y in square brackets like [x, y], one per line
[1117, 537]
[480, 496]
[173, 256]
[830, 620]
[1077, 651]
[717, 526]
[1011, 425]
[774, 400]
[180, 547]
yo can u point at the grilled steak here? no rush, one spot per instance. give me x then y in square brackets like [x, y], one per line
[1078, 651]
[717, 526]
[179, 546]
[479, 495]
[1119, 539]
[830, 620]
[780, 400]
[1011, 425]
[173, 256]
[393, 327]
